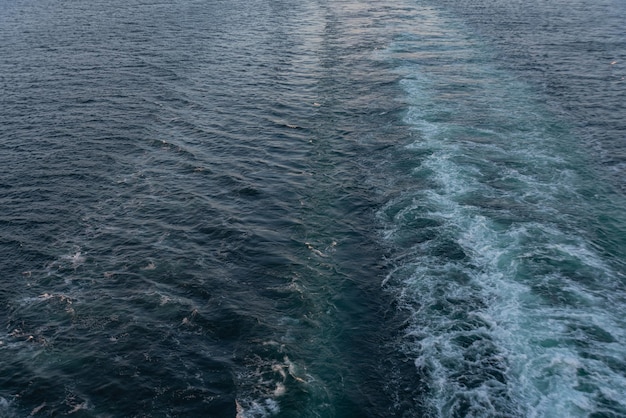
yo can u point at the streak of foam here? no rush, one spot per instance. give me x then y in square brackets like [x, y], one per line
[512, 311]
[262, 385]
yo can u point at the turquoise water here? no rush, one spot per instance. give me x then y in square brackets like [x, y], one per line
[312, 209]
[512, 248]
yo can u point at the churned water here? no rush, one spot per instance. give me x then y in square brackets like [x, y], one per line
[313, 209]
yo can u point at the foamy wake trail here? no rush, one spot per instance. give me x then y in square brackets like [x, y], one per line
[513, 311]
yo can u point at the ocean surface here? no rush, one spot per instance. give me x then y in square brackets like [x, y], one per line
[313, 208]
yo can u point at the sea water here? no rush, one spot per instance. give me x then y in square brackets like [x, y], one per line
[512, 246]
[312, 208]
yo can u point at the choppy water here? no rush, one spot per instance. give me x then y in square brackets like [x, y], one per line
[312, 209]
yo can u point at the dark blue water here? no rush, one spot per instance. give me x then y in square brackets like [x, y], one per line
[312, 209]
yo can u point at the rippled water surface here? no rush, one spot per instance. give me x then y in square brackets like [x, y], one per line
[312, 209]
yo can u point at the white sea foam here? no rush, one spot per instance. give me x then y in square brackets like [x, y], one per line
[513, 311]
